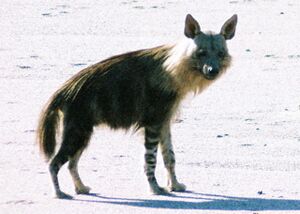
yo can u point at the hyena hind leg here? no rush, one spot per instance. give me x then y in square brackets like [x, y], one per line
[169, 161]
[74, 141]
[152, 138]
[80, 188]
[58, 161]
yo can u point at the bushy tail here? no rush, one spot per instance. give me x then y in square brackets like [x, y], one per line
[48, 124]
[47, 127]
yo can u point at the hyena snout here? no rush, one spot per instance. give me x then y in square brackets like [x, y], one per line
[210, 71]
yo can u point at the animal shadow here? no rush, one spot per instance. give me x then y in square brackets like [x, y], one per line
[200, 201]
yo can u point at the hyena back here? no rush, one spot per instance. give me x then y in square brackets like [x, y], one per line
[141, 89]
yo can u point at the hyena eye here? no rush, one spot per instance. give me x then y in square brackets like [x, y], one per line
[201, 53]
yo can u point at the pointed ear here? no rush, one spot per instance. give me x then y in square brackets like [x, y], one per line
[228, 29]
[191, 27]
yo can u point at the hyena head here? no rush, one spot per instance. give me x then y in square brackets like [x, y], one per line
[210, 56]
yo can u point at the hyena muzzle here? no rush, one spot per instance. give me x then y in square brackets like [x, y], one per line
[141, 89]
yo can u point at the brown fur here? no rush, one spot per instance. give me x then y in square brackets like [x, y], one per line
[143, 89]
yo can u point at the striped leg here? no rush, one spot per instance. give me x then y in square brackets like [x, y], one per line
[169, 161]
[152, 138]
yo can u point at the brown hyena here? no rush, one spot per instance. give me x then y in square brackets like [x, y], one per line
[142, 89]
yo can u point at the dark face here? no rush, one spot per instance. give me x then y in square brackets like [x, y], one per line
[210, 54]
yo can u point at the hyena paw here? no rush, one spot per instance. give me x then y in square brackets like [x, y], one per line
[159, 191]
[83, 190]
[177, 187]
[62, 195]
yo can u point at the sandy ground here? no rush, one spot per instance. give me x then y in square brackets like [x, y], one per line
[237, 144]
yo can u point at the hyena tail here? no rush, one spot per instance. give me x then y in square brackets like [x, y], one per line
[47, 127]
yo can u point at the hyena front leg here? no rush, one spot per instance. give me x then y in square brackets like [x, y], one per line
[169, 161]
[152, 138]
